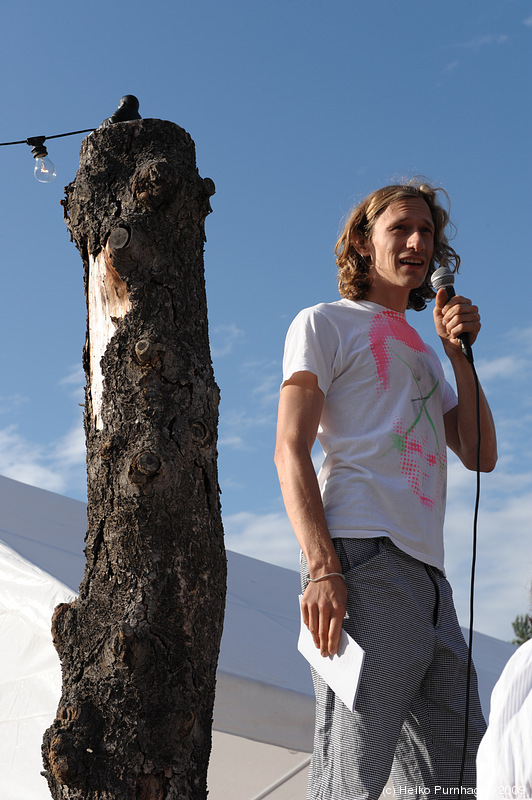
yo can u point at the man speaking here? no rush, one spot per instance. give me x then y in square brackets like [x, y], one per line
[358, 377]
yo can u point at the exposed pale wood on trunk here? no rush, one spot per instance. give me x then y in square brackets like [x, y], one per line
[108, 302]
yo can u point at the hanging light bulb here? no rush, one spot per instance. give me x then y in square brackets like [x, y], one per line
[44, 169]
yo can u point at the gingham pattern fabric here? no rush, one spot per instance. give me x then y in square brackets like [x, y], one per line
[409, 714]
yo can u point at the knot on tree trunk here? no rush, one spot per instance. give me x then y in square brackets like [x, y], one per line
[144, 466]
[68, 752]
[119, 238]
[156, 183]
[63, 760]
[200, 434]
[61, 623]
[149, 353]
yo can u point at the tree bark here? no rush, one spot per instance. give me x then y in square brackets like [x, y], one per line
[139, 647]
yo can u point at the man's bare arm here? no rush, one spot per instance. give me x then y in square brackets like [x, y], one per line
[324, 602]
[453, 318]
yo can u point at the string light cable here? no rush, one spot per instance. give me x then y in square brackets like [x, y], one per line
[56, 136]
[44, 169]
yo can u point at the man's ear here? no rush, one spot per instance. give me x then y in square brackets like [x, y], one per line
[360, 243]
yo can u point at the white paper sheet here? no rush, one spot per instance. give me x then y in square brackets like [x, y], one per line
[341, 672]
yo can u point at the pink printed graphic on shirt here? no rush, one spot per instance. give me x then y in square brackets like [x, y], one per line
[423, 459]
[385, 328]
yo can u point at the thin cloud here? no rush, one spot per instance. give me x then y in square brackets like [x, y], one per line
[11, 402]
[26, 462]
[449, 68]
[264, 374]
[233, 441]
[528, 21]
[243, 431]
[244, 428]
[223, 340]
[57, 467]
[268, 537]
[504, 565]
[267, 389]
[74, 381]
[75, 377]
[70, 450]
[231, 483]
[474, 45]
[477, 42]
[504, 560]
[513, 437]
[503, 367]
[244, 421]
[504, 370]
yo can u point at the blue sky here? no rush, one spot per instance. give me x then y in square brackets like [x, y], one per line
[298, 109]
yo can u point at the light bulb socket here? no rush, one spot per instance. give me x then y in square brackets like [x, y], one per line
[38, 150]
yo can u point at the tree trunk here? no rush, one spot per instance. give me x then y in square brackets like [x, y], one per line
[139, 647]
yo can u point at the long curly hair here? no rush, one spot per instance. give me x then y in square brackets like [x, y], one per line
[354, 280]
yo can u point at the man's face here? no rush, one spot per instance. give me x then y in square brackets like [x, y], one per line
[400, 248]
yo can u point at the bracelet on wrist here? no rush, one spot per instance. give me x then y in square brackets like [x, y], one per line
[328, 575]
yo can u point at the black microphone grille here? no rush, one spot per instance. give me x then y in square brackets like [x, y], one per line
[442, 277]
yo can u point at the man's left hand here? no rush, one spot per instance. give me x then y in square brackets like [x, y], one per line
[453, 317]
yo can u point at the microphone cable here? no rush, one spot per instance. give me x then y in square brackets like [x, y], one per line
[473, 565]
[443, 278]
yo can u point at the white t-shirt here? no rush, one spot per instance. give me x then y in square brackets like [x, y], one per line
[504, 758]
[381, 428]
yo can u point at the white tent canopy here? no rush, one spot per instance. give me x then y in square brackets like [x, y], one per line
[264, 709]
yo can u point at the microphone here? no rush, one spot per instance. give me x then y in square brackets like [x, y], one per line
[443, 278]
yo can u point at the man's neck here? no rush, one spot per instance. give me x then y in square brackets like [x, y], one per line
[394, 300]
